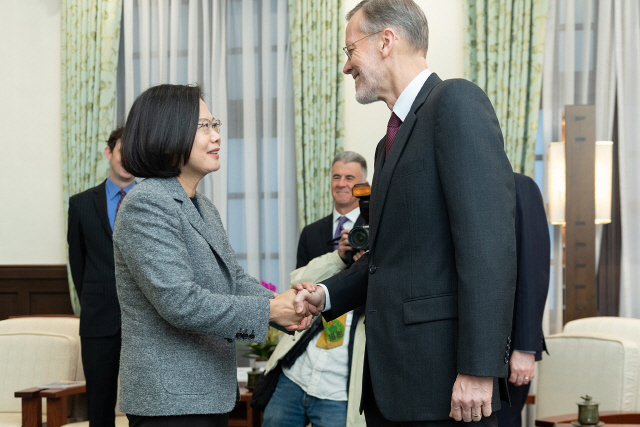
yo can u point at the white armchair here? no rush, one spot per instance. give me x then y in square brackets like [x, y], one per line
[30, 358]
[589, 357]
[611, 326]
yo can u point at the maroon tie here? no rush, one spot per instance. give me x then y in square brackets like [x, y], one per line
[392, 130]
[122, 194]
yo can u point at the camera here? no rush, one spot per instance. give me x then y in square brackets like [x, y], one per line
[359, 236]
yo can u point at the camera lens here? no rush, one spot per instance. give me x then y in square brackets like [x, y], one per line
[359, 238]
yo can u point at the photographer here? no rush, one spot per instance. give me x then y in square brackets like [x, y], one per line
[319, 366]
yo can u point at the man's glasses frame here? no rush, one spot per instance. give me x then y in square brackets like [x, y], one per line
[346, 48]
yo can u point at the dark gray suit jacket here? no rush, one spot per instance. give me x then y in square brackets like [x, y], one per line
[439, 280]
[184, 300]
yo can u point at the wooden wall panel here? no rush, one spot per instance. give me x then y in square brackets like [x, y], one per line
[33, 289]
[580, 233]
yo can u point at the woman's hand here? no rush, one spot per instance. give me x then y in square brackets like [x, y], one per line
[283, 313]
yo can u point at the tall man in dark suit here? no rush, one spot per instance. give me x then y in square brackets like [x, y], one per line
[534, 252]
[91, 217]
[439, 279]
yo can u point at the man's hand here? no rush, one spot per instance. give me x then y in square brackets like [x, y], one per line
[358, 255]
[522, 366]
[343, 245]
[282, 312]
[310, 296]
[471, 398]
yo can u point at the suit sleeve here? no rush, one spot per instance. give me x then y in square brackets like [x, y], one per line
[77, 250]
[150, 244]
[534, 253]
[478, 187]
[348, 289]
[303, 252]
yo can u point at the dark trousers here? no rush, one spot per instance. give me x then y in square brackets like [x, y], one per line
[101, 362]
[375, 419]
[511, 416]
[208, 420]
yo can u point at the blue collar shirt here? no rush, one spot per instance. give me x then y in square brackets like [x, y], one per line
[113, 197]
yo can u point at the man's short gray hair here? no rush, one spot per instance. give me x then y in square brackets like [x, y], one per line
[352, 156]
[402, 15]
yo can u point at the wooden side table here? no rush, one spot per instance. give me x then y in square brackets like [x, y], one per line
[617, 418]
[243, 415]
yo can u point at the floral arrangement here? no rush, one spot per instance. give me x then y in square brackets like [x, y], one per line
[262, 352]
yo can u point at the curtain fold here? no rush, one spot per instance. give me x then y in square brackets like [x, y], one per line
[89, 60]
[503, 53]
[627, 51]
[579, 68]
[238, 51]
[316, 30]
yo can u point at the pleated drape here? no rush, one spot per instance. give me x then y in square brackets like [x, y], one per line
[316, 29]
[627, 51]
[89, 60]
[503, 52]
[238, 51]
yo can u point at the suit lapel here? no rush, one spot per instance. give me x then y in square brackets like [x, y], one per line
[206, 225]
[100, 202]
[384, 168]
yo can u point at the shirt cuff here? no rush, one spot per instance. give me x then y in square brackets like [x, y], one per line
[525, 351]
[327, 302]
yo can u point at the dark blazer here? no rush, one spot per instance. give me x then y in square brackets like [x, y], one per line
[314, 239]
[534, 251]
[439, 279]
[91, 260]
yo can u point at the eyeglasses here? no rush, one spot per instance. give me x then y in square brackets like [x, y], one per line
[209, 125]
[347, 49]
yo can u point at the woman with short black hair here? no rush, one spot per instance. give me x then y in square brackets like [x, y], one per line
[184, 298]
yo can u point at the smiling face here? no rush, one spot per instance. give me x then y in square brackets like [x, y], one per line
[343, 177]
[205, 157]
[363, 65]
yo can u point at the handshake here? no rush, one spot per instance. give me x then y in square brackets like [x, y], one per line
[295, 308]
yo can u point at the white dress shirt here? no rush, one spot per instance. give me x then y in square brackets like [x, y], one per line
[349, 223]
[321, 372]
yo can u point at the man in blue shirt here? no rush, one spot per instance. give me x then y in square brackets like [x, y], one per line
[91, 217]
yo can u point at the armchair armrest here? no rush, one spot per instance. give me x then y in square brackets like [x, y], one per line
[31, 406]
[57, 403]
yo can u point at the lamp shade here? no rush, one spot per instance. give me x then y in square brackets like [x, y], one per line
[603, 181]
[557, 183]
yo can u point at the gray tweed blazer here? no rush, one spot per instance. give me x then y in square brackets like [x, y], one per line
[184, 300]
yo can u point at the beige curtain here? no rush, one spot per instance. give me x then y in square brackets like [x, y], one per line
[503, 52]
[90, 41]
[316, 29]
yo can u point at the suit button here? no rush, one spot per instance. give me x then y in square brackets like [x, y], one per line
[238, 335]
[372, 269]
[229, 340]
[245, 335]
[251, 336]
